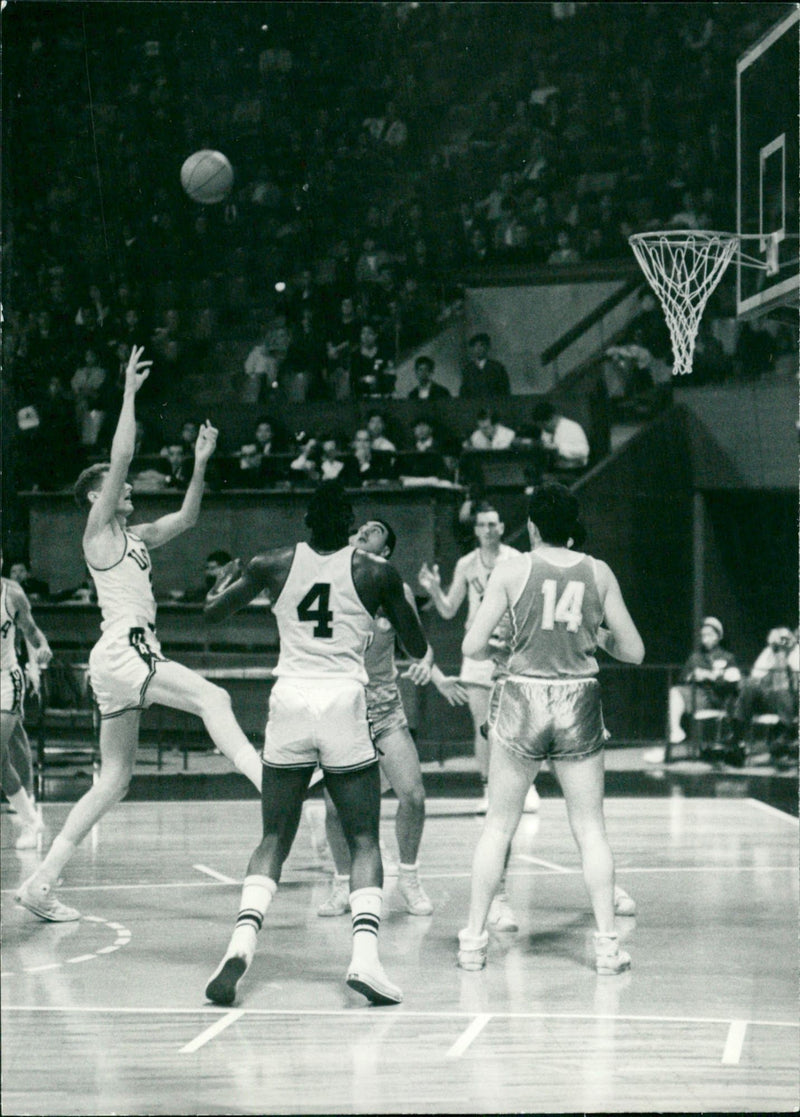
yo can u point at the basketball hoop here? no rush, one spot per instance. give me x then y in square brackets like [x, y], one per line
[683, 268]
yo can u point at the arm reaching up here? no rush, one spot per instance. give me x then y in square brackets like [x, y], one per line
[175, 523]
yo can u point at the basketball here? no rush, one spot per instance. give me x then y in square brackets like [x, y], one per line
[207, 177]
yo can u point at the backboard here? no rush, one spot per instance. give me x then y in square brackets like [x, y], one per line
[767, 169]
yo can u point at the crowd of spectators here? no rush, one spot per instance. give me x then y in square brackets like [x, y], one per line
[461, 137]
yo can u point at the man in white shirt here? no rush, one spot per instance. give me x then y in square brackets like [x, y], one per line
[564, 436]
[376, 425]
[260, 366]
[489, 434]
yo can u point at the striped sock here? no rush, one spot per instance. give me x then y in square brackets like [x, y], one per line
[257, 894]
[365, 904]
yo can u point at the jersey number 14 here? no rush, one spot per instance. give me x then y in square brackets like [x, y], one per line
[568, 609]
[319, 595]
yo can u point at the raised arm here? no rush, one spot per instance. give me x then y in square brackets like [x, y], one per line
[620, 638]
[447, 604]
[401, 613]
[23, 619]
[167, 527]
[495, 602]
[236, 588]
[104, 509]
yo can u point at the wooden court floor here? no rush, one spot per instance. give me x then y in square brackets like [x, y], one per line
[107, 1015]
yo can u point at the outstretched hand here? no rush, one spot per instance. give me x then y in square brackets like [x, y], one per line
[225, 578]
[206, 442]
[450, 688]
[137, 370]
[429, 578]
[419, 673]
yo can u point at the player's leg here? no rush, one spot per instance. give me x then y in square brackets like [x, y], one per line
[678, 702]
[21, 756]
[119, 737]
[582, 783]
[182, 689]
[13, 784]
[338, 901]
[510, 776]
[282, 793]
[357, 798]
[400, 765]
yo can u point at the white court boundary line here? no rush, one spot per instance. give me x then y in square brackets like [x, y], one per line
[466, 875]
[222, 877]
[774, 811]
[369, 1014]
[122, 939]
[466, 1038]
[224, 1022]
[732, 1051]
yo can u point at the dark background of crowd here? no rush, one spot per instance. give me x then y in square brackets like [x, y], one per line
[383, 154]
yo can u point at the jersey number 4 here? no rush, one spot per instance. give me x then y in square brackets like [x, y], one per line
[322, 617]
[568, 609]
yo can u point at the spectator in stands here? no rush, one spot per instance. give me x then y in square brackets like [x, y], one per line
[489, 433]
[772, 686]
[564, 252]
[565, 438]
[424, 439]
[264, 436]
[482, 375]
[319, 459]
[709, 680]
[427, 458]
[197, 594]
[376, 425]
[364, 466]
[305, 359]
[189, 433]
[92, 390]
[179, 464]
[343, 340]
[261, 373]
[35, 588]
[370, 369]
[427, 387]
[370, 263]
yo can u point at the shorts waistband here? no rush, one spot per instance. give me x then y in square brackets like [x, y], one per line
[561, 681]
[125, 624]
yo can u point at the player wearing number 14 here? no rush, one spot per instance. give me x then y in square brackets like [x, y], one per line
[545, 705]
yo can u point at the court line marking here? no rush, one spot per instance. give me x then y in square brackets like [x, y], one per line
[369, 1014]
[466, 875]
[215, 875]
[774, 811]
[541, 861]
[123, 937]
[466, 1037]
[214, 1030]
[735, 1041]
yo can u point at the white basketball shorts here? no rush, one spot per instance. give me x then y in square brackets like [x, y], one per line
[12, 691]
[318, 721]
[121, 665]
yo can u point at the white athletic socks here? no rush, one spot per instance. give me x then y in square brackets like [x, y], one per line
[257, 894]
[249, 764]
[413, 869]
[365, 904]
[23, 805]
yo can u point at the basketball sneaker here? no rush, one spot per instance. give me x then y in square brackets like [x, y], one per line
[370, 980]
[414, 895]
[37, 897]
[30, 835]
[472, 951]
[609, 959]
[501, 917]
[623, 903]
[338, 902]
[221, 988]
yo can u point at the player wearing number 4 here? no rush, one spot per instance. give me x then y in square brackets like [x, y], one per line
[126, 668]
[399, 761]
[546, 705]
[325, 594]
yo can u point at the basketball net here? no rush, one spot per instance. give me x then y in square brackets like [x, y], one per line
[683, 268]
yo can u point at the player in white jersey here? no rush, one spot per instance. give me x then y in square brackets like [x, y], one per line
[546, 705]
[399, 761]
[17, 771]
[470, 578]
[127, 669]
[325, 595]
